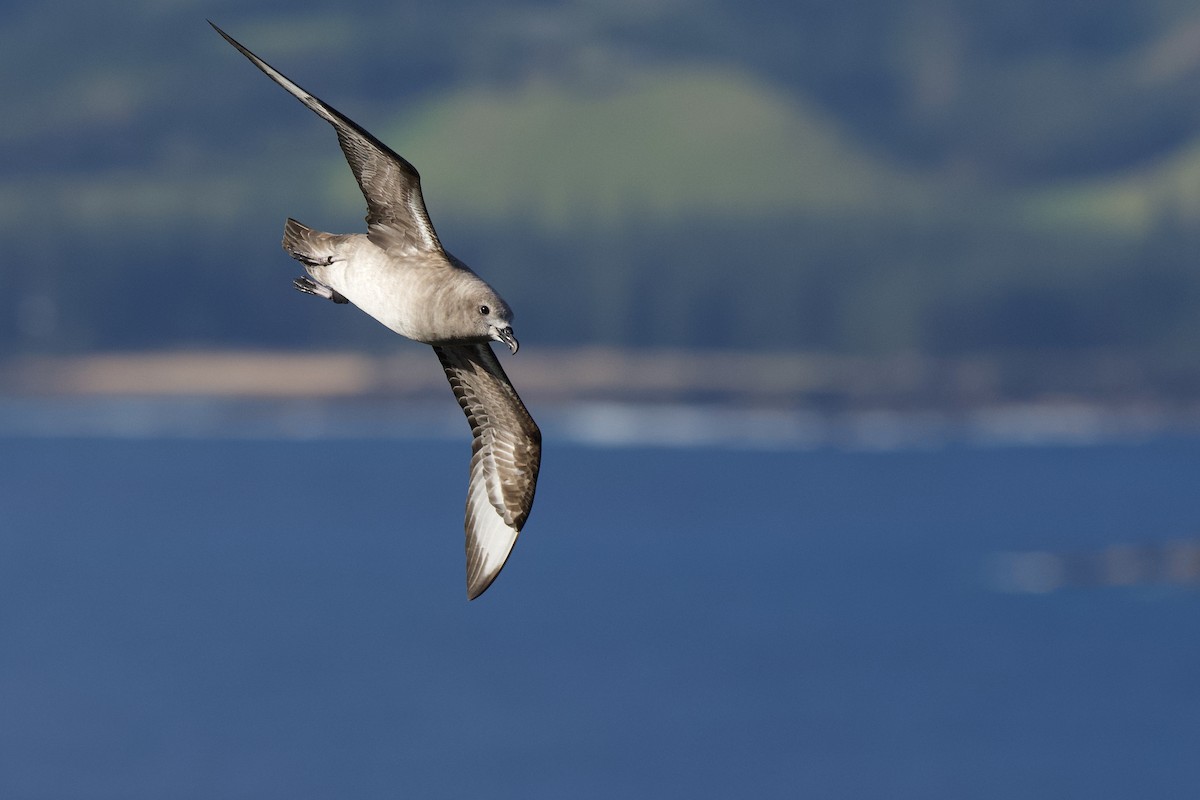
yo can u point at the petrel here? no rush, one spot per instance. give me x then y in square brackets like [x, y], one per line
[399, 273]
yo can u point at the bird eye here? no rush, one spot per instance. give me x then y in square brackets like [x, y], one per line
[484, 310]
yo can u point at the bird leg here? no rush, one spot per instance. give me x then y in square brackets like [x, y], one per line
[309, 286]
[311, 261]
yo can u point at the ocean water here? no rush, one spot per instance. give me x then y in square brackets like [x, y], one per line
[270, 618]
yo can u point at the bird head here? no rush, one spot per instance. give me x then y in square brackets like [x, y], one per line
[496, 318]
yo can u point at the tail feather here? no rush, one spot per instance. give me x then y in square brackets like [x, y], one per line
[297, 238]
[310, 247]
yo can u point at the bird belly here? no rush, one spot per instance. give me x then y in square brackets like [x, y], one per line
[366, 277]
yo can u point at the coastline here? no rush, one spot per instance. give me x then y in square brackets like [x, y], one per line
[609, 397]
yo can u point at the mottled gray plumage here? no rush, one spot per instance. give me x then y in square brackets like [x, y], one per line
[399, 273]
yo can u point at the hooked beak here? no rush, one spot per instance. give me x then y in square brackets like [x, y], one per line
[506, 335]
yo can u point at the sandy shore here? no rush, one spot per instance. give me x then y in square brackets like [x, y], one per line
[607, 396]
[816, 381]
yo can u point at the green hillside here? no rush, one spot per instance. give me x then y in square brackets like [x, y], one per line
[667, 143]
[1132, 202]
[879, 177]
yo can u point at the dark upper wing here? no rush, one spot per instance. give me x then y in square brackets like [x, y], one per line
[505, 457]
[396, 212]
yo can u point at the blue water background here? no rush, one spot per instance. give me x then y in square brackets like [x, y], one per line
[285, 619]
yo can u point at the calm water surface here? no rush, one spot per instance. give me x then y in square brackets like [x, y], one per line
[274, 619]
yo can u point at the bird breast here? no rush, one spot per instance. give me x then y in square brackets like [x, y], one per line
[398, 291]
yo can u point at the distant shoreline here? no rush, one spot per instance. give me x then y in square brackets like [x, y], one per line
[821, 382]
[604, 397]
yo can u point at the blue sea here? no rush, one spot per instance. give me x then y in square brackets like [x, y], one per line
[282, 617]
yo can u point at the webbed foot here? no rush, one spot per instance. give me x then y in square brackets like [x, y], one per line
[309, 286]
[311, 261]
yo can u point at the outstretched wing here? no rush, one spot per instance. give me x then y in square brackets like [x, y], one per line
[505, 457]
[396, 214]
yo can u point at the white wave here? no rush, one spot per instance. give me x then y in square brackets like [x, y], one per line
[590, 424]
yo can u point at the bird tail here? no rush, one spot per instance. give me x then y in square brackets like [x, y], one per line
[311, 248]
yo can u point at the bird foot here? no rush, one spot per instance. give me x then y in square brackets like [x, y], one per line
[311, 261]
[309, 286]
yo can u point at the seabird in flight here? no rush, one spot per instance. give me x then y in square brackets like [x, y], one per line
[399, 273]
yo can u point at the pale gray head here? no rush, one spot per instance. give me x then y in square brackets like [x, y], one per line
[495, 319]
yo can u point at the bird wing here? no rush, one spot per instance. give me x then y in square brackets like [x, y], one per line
[505, 457]
[396, 214]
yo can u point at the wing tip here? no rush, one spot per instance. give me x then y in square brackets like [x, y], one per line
[479, 575]
[224, 35]
[478, 580]
[478, 587]
[478, 584]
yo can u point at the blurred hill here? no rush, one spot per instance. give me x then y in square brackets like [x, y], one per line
[857, 178]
